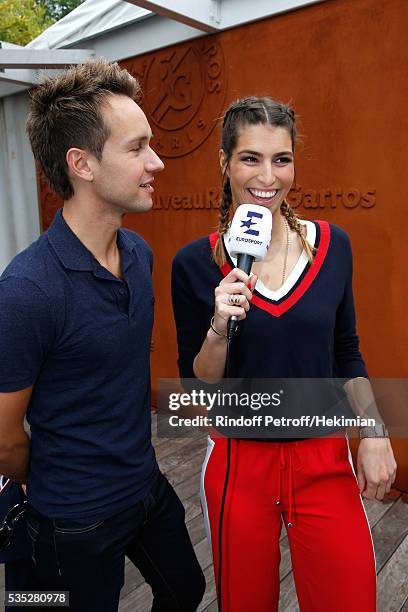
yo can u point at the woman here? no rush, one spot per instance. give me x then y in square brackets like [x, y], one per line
[300, 325]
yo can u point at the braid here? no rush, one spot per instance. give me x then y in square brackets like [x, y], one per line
[296, 226]
[223, 223]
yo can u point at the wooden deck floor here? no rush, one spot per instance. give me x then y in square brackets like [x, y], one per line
[180, 459]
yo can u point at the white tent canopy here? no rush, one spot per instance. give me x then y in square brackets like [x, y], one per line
[116, 30]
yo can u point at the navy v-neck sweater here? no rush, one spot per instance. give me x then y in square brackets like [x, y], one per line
[308, 333]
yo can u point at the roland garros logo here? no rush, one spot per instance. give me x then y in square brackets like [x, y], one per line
[184, 95]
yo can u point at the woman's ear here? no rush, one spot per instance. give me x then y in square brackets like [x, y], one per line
[223, 162]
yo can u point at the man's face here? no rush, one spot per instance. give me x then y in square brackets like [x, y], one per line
[123, 178]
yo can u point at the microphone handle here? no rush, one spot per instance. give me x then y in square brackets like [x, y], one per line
[244, 262]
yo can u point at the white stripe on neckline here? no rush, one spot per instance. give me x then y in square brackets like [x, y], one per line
[293, 276]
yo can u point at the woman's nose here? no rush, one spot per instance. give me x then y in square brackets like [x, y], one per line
[267, 175]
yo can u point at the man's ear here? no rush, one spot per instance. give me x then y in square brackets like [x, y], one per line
[78, 164]
[223, 162]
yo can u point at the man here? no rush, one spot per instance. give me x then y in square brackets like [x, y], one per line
[75, 330]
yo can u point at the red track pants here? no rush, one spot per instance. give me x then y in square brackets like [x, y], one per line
[311, 485]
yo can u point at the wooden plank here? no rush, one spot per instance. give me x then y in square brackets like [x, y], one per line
[202, 550]
[209, 595]
[389, 532]
[133, 579]
[158, 440]
[169, 447]
[139, 599]
[212, 607]
[392, 587]
[196, 530]
[286, 563]
[188, 487]
[375, 510]
[288, 600]
[185, 462]
[192, 507]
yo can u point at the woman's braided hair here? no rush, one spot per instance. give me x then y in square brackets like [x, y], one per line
[253, 111]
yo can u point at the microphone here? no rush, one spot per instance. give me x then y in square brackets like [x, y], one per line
[249, 238]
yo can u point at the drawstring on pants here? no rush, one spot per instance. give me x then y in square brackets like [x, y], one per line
[290, 449]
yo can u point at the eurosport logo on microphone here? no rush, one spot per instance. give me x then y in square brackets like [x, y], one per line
[249, 222]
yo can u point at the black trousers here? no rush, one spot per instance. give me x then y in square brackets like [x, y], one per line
[88, 560]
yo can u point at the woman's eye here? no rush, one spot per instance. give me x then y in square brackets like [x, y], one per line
[249, 158]
[283, 160]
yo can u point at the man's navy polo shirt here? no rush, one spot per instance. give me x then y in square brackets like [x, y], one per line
[82, 337]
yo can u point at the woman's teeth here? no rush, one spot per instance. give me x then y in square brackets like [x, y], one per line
[267, 195]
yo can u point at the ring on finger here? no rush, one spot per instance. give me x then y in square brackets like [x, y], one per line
[234, 299]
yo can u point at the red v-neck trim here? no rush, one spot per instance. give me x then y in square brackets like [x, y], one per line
[279, 309]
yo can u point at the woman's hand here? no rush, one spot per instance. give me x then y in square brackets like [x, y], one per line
[376, 467]
[235, 283]
[209, 364]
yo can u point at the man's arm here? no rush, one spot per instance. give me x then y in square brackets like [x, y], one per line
[14, 442]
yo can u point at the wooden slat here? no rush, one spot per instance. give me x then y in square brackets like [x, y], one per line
[139, 599]
[389, 532]
[188, 487]
[212, 607]
[185, 462]
[286, 563]
[203, 553]
[209, 595]
[168, 446]
[392, 584]
[133, 579]
[288, 600]
[196, 530]
[375, 510]
[159, 441]
[192, 507]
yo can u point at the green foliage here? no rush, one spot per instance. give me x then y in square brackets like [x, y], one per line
[57, 9]
[22, 20]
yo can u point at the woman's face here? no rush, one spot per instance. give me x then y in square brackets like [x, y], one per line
[261, 168]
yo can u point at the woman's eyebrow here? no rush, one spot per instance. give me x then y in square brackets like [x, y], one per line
[250, 152]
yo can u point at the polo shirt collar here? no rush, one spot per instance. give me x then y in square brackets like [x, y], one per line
[72, 253]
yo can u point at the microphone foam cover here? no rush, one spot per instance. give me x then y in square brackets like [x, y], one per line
[250, 231]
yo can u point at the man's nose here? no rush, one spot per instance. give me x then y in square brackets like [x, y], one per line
[155, 163]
